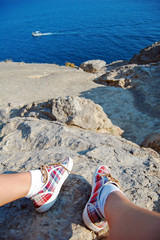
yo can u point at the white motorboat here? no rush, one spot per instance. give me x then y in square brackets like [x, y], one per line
[36, 34]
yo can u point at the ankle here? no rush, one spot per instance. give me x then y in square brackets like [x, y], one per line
[36, 183]
[104, 194]
[116, 202]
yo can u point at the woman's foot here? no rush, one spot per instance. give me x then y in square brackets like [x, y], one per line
[53, 179]
[102, 185]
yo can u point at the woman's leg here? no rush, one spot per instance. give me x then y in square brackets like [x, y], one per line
[14, 186]
[128, 221]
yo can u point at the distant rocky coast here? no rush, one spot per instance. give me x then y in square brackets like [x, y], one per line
[97, 113]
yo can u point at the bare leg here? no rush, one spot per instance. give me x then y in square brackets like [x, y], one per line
[129, 222]
[14, 186]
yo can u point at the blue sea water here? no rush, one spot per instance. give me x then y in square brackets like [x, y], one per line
[82, 29]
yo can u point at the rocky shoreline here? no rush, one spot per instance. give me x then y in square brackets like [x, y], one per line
[97, 114]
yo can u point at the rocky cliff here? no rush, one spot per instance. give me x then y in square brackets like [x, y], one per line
[39, 132]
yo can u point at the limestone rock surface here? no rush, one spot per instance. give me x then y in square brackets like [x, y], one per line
[149, 54]
[134, 108]
[152, 141]
[27, 142]
[93, 66]
[70, 110]
[112, 80]
[127, 75]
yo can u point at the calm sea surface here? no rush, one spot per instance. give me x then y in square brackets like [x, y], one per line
[81, 29]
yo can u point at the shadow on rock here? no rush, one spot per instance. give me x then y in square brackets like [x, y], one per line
[156, 207]
[25, 129]
[39, 110]
[143, 104]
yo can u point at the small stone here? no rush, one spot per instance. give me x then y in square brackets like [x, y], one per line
[93, 66]
[24, 205]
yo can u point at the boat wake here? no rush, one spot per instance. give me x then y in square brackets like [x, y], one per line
[38, 33]
[45, 34]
